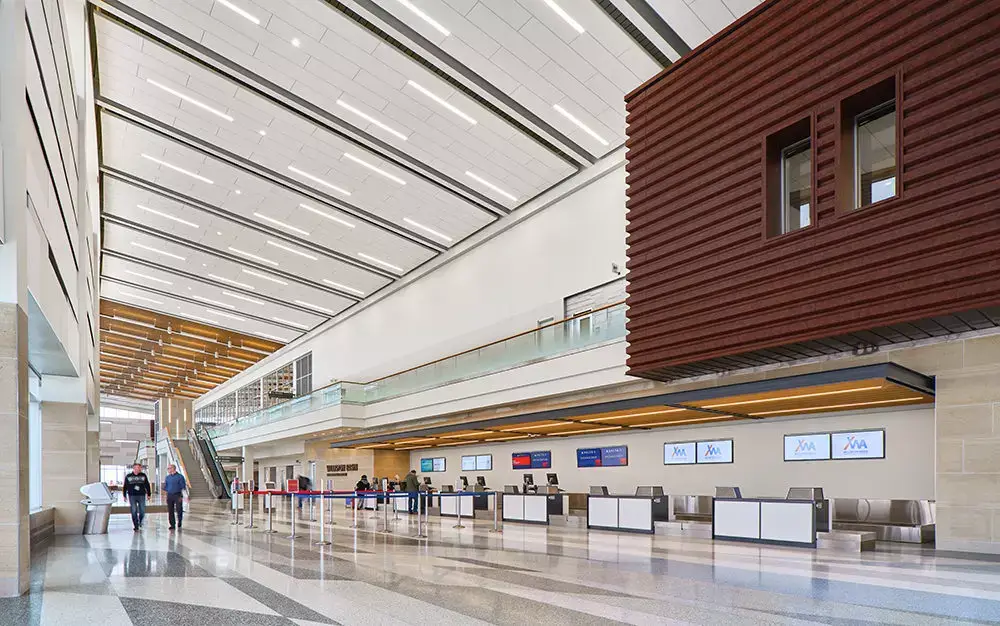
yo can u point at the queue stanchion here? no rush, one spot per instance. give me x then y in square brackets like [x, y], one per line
[269, 505]
[237, 496]
[322, 523]
[385, 514]
[291, 508]
[329, 487]
[420, 532]
[355, 507]
[496, 513]
[458, 508]
[250, 493]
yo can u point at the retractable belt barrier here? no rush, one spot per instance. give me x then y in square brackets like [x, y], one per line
[423, 501]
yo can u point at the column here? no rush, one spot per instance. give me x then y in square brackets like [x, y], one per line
[14, 527]
[246, 470]
[64, 462]
[968, 450]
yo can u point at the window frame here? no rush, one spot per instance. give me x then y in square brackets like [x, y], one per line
[776, 140]
[799, 147]
[867, 115]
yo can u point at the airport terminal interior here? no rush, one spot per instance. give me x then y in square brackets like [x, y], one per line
[499, 312]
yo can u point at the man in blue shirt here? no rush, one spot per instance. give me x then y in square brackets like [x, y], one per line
[174, 485]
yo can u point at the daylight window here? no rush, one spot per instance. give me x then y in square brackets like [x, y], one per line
[796, 186]
[875, 155]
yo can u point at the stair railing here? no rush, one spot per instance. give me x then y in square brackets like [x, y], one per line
[219, 483]
[194, 443]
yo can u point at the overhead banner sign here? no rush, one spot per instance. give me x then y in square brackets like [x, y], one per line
[434, 464]
[868, 444]
[480, 462]
[541, 459]
[611, 456]
[814, 447]
[720, 451]
[679, 453]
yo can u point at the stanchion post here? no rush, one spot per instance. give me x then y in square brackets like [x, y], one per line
[458, 508]
[270, 513]
[355, 524]
[385, 513]
[420, 532]
[236, 508]
[496, 513]
[292, 515]
[250, 524]
[322, 523]
[329, 487]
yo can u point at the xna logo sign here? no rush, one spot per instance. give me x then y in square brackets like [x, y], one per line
[712, 450]
[679, 452]
[805, 445]
[854, 443]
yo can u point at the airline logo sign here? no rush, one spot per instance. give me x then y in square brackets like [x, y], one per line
[715, 451]
[679, 453]
[807, 447]
[859, 445]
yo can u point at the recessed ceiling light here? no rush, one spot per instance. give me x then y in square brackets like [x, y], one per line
[238, 192]
[427, 228]
[438, 27]
[290, 323]
[296, 42]
[579, 124]
[490, 185]
[242, 297]
[177, 169]
[380, 261]
[436, 98]
[344, 287]
[292, 250]
[304, 233]
[215, 302]
[266, 336]
[264, 276]
[314, 306]
[235, 9]
[229, 315]
[152, 278]
[187, 98]
[372, 120]
[262, 132]
[129, 294]
[393, 178]
[253, 256]
[158, 251]
[218, 232]
[563, 14]
[168, 216]
[328, 216]
[316, 179]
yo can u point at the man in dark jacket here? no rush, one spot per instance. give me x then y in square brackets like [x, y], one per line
[136, 490]
[411, 484]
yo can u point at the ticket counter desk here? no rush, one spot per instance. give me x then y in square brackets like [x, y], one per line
[792, 521]
[629, 513]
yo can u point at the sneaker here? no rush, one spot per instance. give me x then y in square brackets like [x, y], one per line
[135, 528]
[172, 527]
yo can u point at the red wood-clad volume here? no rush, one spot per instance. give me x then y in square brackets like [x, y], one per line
[712, 287]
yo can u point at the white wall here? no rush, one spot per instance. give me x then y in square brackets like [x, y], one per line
[758, 469]
[500, 287]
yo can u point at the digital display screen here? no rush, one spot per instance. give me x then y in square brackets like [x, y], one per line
[521, 460]
[715, 451]
[468, 463]
[484, 462]
[807, 447]
[866, 444]
[439, 464]
[588, 457]
[541, 459]
[614, 456]
[679, 453]
[426, 465]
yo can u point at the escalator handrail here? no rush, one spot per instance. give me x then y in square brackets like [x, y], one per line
[201, 432]
[194, 445]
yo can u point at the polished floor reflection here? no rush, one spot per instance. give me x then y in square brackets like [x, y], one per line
[216, 573]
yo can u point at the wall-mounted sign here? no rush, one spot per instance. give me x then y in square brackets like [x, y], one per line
[815, 447]
[720, 451]
[348, 467]
[541, 459]
[611, 456]
[682, 453]
[434, 464]
[478, 462]
[865, 444]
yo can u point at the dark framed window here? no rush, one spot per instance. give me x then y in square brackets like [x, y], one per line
[789, 180]
[868, 155]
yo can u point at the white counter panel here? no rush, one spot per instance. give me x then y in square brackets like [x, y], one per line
[602, 511]
[536, 508]
[635, 514]
[787, 521]
[513, 507]
[735, 518]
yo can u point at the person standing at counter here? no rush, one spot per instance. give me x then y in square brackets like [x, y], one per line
[411, 485]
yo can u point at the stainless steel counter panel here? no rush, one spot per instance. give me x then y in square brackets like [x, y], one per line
[693, 508]
[905, 521]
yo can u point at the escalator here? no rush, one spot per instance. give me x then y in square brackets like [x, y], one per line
[209, 461]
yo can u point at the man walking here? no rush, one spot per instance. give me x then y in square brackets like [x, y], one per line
[136, 490]
[411, 484]
[174, 485]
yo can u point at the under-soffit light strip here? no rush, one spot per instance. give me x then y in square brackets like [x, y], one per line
[180, 170]
[292, 250]
[839, 406]
[565, 16]
[242, 297]
[266, 218]
[490, 185]
[627, 415]
[314, 306]
[290, 323]
[371, 120]
[680, 422]
[187, 98]
[129, 294]
[168, 216]
[318, 180]
[147, 277]
[427, 18]
[436, 98]
[158, 251]
[232, 282]
[214, 302]
[795, 397]
[585, 430]
[428, 229]
[239, 11]
[377, 170]
[380, 262]
[579, 124]
[229, 315]
[264, 276]
[253, 256]
[345, 287]
[328, 216]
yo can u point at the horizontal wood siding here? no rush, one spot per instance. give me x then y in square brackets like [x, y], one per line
[706, 281]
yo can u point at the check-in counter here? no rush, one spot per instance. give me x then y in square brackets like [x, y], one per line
[765, 520]
[450, 505]
[625, 513]
[526, 507]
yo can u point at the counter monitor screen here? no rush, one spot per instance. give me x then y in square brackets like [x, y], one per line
[427, 480]
[465, 481]
[552, 479]
[481, 480]
[529, 479]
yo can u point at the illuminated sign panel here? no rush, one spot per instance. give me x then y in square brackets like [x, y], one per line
[865, 444]
[814, 447]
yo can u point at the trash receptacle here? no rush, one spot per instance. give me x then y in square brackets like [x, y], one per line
[97, 500]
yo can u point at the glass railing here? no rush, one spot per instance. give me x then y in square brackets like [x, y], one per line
[557, 339]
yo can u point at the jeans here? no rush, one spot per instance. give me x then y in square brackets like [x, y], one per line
[175, 502]
[137, 505]
[413, 503]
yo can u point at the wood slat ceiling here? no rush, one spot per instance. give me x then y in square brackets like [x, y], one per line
[149, 355]
[857, 395]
